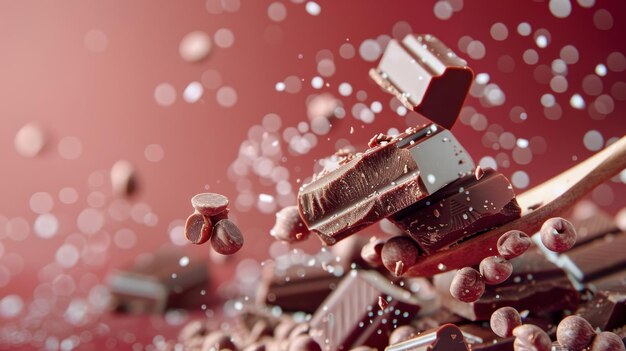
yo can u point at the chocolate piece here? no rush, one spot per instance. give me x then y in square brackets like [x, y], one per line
[536, 284]
[607, 341]
[480, 337]
[607, 310]
[209, 204]
[459, 210]
[351, 316]
[596, 259]
[289, 226]
[159, 283]
[426, 76]
[381, 181]
[495, 269]
[372, 252]
[226, 238]
[447, 337]
[593, 227]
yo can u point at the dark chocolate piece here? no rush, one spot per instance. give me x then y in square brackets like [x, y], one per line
[209, 204]
[596, 259]
[382, 181]
[159, 283]
[536, 285]
[226, 238]
[480, 337]
[593, 227]
[447, 337]
[607, 310]
[351, 315]
[426, 76]
[459, 210]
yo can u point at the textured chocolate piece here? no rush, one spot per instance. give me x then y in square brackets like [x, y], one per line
[447, 337]
[480, 337]
[159, 283]
[382, 181]
[593, 227]
[596, 259]
[607, 310]
[536, 284]
[426, 76]
[351, 315]
[459, 210]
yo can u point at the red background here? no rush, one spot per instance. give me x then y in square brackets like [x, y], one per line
[106, 99]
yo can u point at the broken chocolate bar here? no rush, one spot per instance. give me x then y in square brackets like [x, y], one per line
[159, 283]
[536, 284]
[459, 210]
[596, 259]
[382, 181]
[363, 310]
[607, 309]
[447, 337]
[426, 76]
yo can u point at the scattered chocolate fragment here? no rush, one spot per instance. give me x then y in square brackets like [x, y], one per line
[513, 243]
[209, 204]
[495, 269]
[594, 260]
[459, 210]
[226, 238]
[447, 337]
[607, 309]
[478, 173]
[123, 178]
[289, 226]
[467, 285]
[198, 229]
[426, 76]
[504, 320]
[558, 234]
[379, 139]
[530, 337]
[351, 317]
[575, 333]
[607, 341]
[157, 283]
[398, 253]
[399, 173]
[372, 252]
[402, 333]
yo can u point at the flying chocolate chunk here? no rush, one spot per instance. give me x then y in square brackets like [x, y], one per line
[447, 337]
[363, 310]
[459, 210]
[426, 76]
[383, 180]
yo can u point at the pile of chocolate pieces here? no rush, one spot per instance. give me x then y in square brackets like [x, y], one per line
[565, 289]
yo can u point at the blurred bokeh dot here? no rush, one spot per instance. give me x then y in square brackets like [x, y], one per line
[345, 89]
[67, 256]
[193, 92]
[522, 156]
[70, 148]
[195, 46]
[211, 79]
[577, 102]
[326, 67]
[277, 11]
[370, 50]
[569, 54]
[177, 234]
[554, 112]
[592, 85]
[313, 8]
[41, 202]
[560, 8]
[603, 195]
[476, 50]
[604, 104]
[11, 306]
[17, 229]
[401, 29]
[616, 61]
[226, 96]
[520, 179]
[603, 19]
[90, 221]
[530, 56]
[506, 64]
[68, 195]
[618, 91]
[224, 38]
[154, 153]
[558, 84]
[442, 10]
[559, 67]
[499, 31]
[593, 140]
[125, 238]
[293, 84]
[165, 94]
[586, 3]
[46, 226]
[96, 40]
[29, 140]
[346, 51]
[524, 29]
[488, 162]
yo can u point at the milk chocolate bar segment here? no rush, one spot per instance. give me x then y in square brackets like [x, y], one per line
[598, 258]
[447, 337]
[459, 210]
[426, 76]
[352, 316]
[382, 181]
